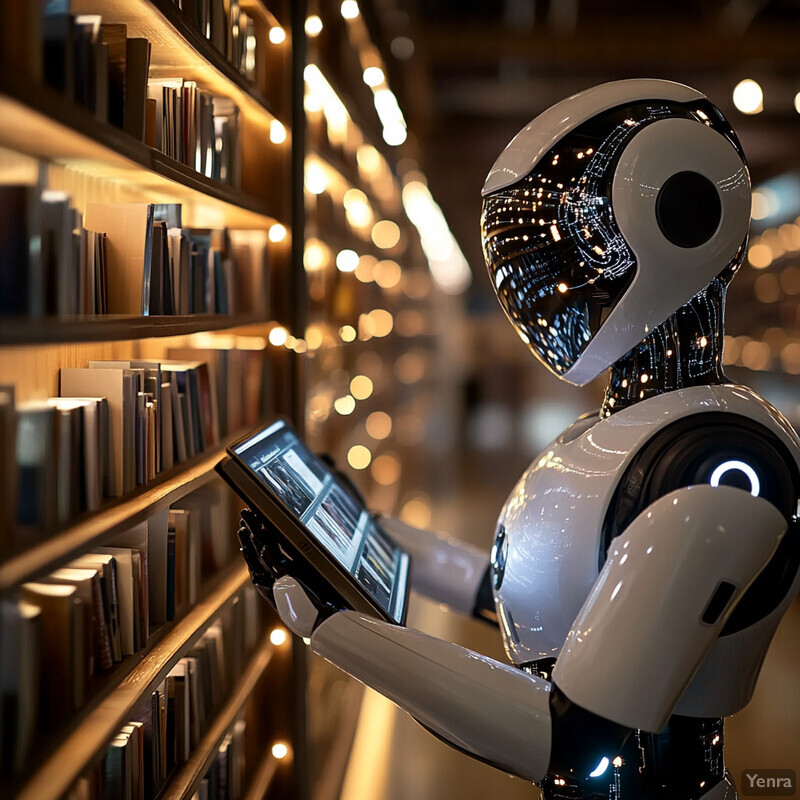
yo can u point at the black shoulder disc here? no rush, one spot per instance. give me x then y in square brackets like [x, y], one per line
[716, 444]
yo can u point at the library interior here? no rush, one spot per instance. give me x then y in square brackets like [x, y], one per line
[215, 214]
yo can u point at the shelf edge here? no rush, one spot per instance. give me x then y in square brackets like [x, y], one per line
[184, 784]
[82, 745]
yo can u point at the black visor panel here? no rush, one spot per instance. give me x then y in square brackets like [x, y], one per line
[556, 257]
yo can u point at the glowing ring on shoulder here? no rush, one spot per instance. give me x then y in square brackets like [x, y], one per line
[727, 466]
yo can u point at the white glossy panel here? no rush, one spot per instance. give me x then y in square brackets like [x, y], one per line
[539, 135]
[553, 517]
[294, 608]
[639, 638]
[442, 569]
[667, 275]
[491, 710]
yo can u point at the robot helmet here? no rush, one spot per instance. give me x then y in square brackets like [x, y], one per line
[607, 213]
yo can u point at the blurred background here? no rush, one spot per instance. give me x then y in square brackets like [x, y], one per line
[472, 407]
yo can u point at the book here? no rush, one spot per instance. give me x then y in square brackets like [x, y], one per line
[8, 468]
[59, 46]
[106, 567]
[129, 231]
[93, 448]
[114, 37]
[21, 279]
[63, 651]
[37, 470]
[157, 555]
[21, 634]
[137, 68]
[126, 596]
[111, 385]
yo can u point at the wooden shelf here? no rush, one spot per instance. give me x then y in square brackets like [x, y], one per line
[86, 742]
[179, 50]
[184, 783]
[114, 327]
[45, 126]
[111, 518]
[262, 779]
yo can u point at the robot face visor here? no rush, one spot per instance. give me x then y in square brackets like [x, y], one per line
[557, 258]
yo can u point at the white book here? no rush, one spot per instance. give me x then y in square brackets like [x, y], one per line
[92, 444]
[84, 382]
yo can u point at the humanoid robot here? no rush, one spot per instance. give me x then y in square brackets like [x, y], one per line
[643, 562]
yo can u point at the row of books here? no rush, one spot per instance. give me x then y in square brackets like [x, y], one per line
[225, 778]
[230, 29]
[67, 273]
[196, 128]
[98, 66]
[67, 629]
[122, 258]
[171, 722]
[116, 426]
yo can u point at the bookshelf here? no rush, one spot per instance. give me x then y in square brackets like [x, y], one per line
[184, 784]
[51, 140]
[79, 748]
[118, 327]
[105, 522]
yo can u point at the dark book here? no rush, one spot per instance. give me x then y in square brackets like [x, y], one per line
[8, 468]
[137, 68]
[115, 38]
[171, 574]
[108, 650]
[59, 47]
[21, 281]
[63, 649]
[159, 264]
[37, 475]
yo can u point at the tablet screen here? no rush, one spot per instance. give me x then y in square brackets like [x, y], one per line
[305, 486]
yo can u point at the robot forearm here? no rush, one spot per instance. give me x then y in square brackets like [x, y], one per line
[666, 590]
[444, 569]
[492, 711]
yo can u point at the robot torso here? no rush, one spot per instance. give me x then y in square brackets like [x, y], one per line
[556, 526]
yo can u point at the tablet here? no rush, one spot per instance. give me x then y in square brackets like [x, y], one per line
[277, 475]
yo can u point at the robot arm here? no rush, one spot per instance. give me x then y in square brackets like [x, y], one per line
[496, 713]
[444, 569]
[664, 594]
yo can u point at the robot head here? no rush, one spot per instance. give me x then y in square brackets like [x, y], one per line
[607, 213]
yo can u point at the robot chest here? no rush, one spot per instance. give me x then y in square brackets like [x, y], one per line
[550, 546]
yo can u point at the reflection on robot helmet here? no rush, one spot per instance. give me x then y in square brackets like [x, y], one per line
[557, 258]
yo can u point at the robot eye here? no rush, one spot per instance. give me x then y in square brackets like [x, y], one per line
[688, 209]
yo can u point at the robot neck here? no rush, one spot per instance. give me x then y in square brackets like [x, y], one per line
[685, 350]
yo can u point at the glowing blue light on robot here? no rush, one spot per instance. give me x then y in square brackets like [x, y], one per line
[600, 768]
[727, 466]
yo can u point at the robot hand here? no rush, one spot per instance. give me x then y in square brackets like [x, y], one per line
[299, 608]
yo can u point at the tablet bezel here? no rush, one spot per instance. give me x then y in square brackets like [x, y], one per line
[260, 497]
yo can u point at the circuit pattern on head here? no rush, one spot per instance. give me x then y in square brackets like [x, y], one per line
[556, 257]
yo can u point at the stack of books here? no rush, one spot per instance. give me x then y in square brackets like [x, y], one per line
[51, 263]
[158, 267]
[67, 629]
[196, 128]
[115, 427]
[96, 65]
[124, 258]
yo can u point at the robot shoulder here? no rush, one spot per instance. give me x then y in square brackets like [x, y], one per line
[745, 444]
